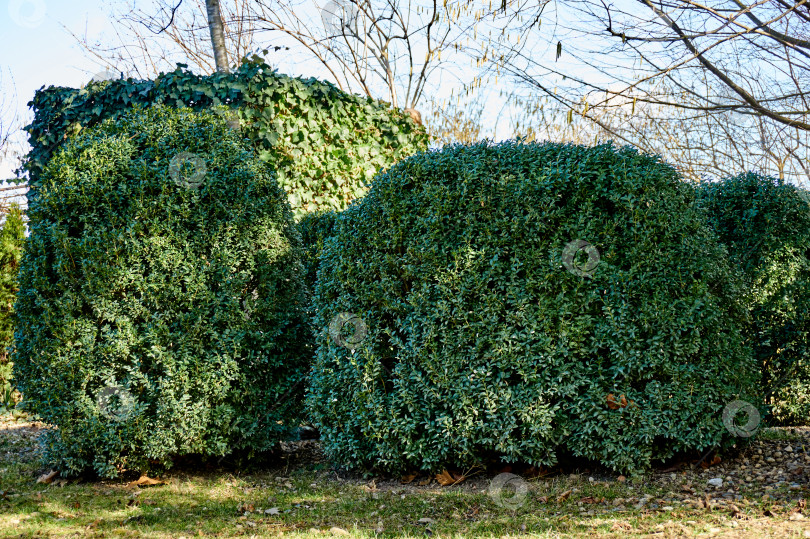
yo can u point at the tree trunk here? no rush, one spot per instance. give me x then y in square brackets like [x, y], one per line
[217, 35]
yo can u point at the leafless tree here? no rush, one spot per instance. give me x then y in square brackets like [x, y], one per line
[217, 34]
[396, 50]
[720, 84]
[10, 147]
[149, 38]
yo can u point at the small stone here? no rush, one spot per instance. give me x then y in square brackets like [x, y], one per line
[716, 482]
[788, 449]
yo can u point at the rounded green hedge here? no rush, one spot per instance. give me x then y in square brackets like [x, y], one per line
[765, 224]
[525, 302]
[161, 309]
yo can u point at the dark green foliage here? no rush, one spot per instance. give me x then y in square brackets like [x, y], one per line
[161, 310]
[765, 224]
[12, 236]
[315, 228]
[323, 143]
[473, 342]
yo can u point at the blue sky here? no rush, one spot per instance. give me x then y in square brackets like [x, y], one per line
[37, 50]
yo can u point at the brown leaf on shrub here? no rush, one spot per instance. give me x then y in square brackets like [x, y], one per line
[144, 481]
[615, 403]
[446, 478]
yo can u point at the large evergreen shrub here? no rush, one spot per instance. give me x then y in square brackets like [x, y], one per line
[12, 236]
[161, 309]
[522, 302]
[324, 144]
[765, 224]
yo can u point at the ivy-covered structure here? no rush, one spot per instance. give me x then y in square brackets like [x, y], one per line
[325, 144]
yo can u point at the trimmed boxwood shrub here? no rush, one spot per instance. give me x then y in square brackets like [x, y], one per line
[161, 309]
[765, 224]
[12, 237]
[463, 321]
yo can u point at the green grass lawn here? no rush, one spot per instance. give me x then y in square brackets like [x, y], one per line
[300, 495]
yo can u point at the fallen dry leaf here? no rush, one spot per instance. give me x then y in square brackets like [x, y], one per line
[589, 499]
[446, 478]
[534, 472]
[245, 508]
[407, 478]
[47, 478]
[564, 495]
[424, 482]
[621, 526]
[144, 481]
[543, 499]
